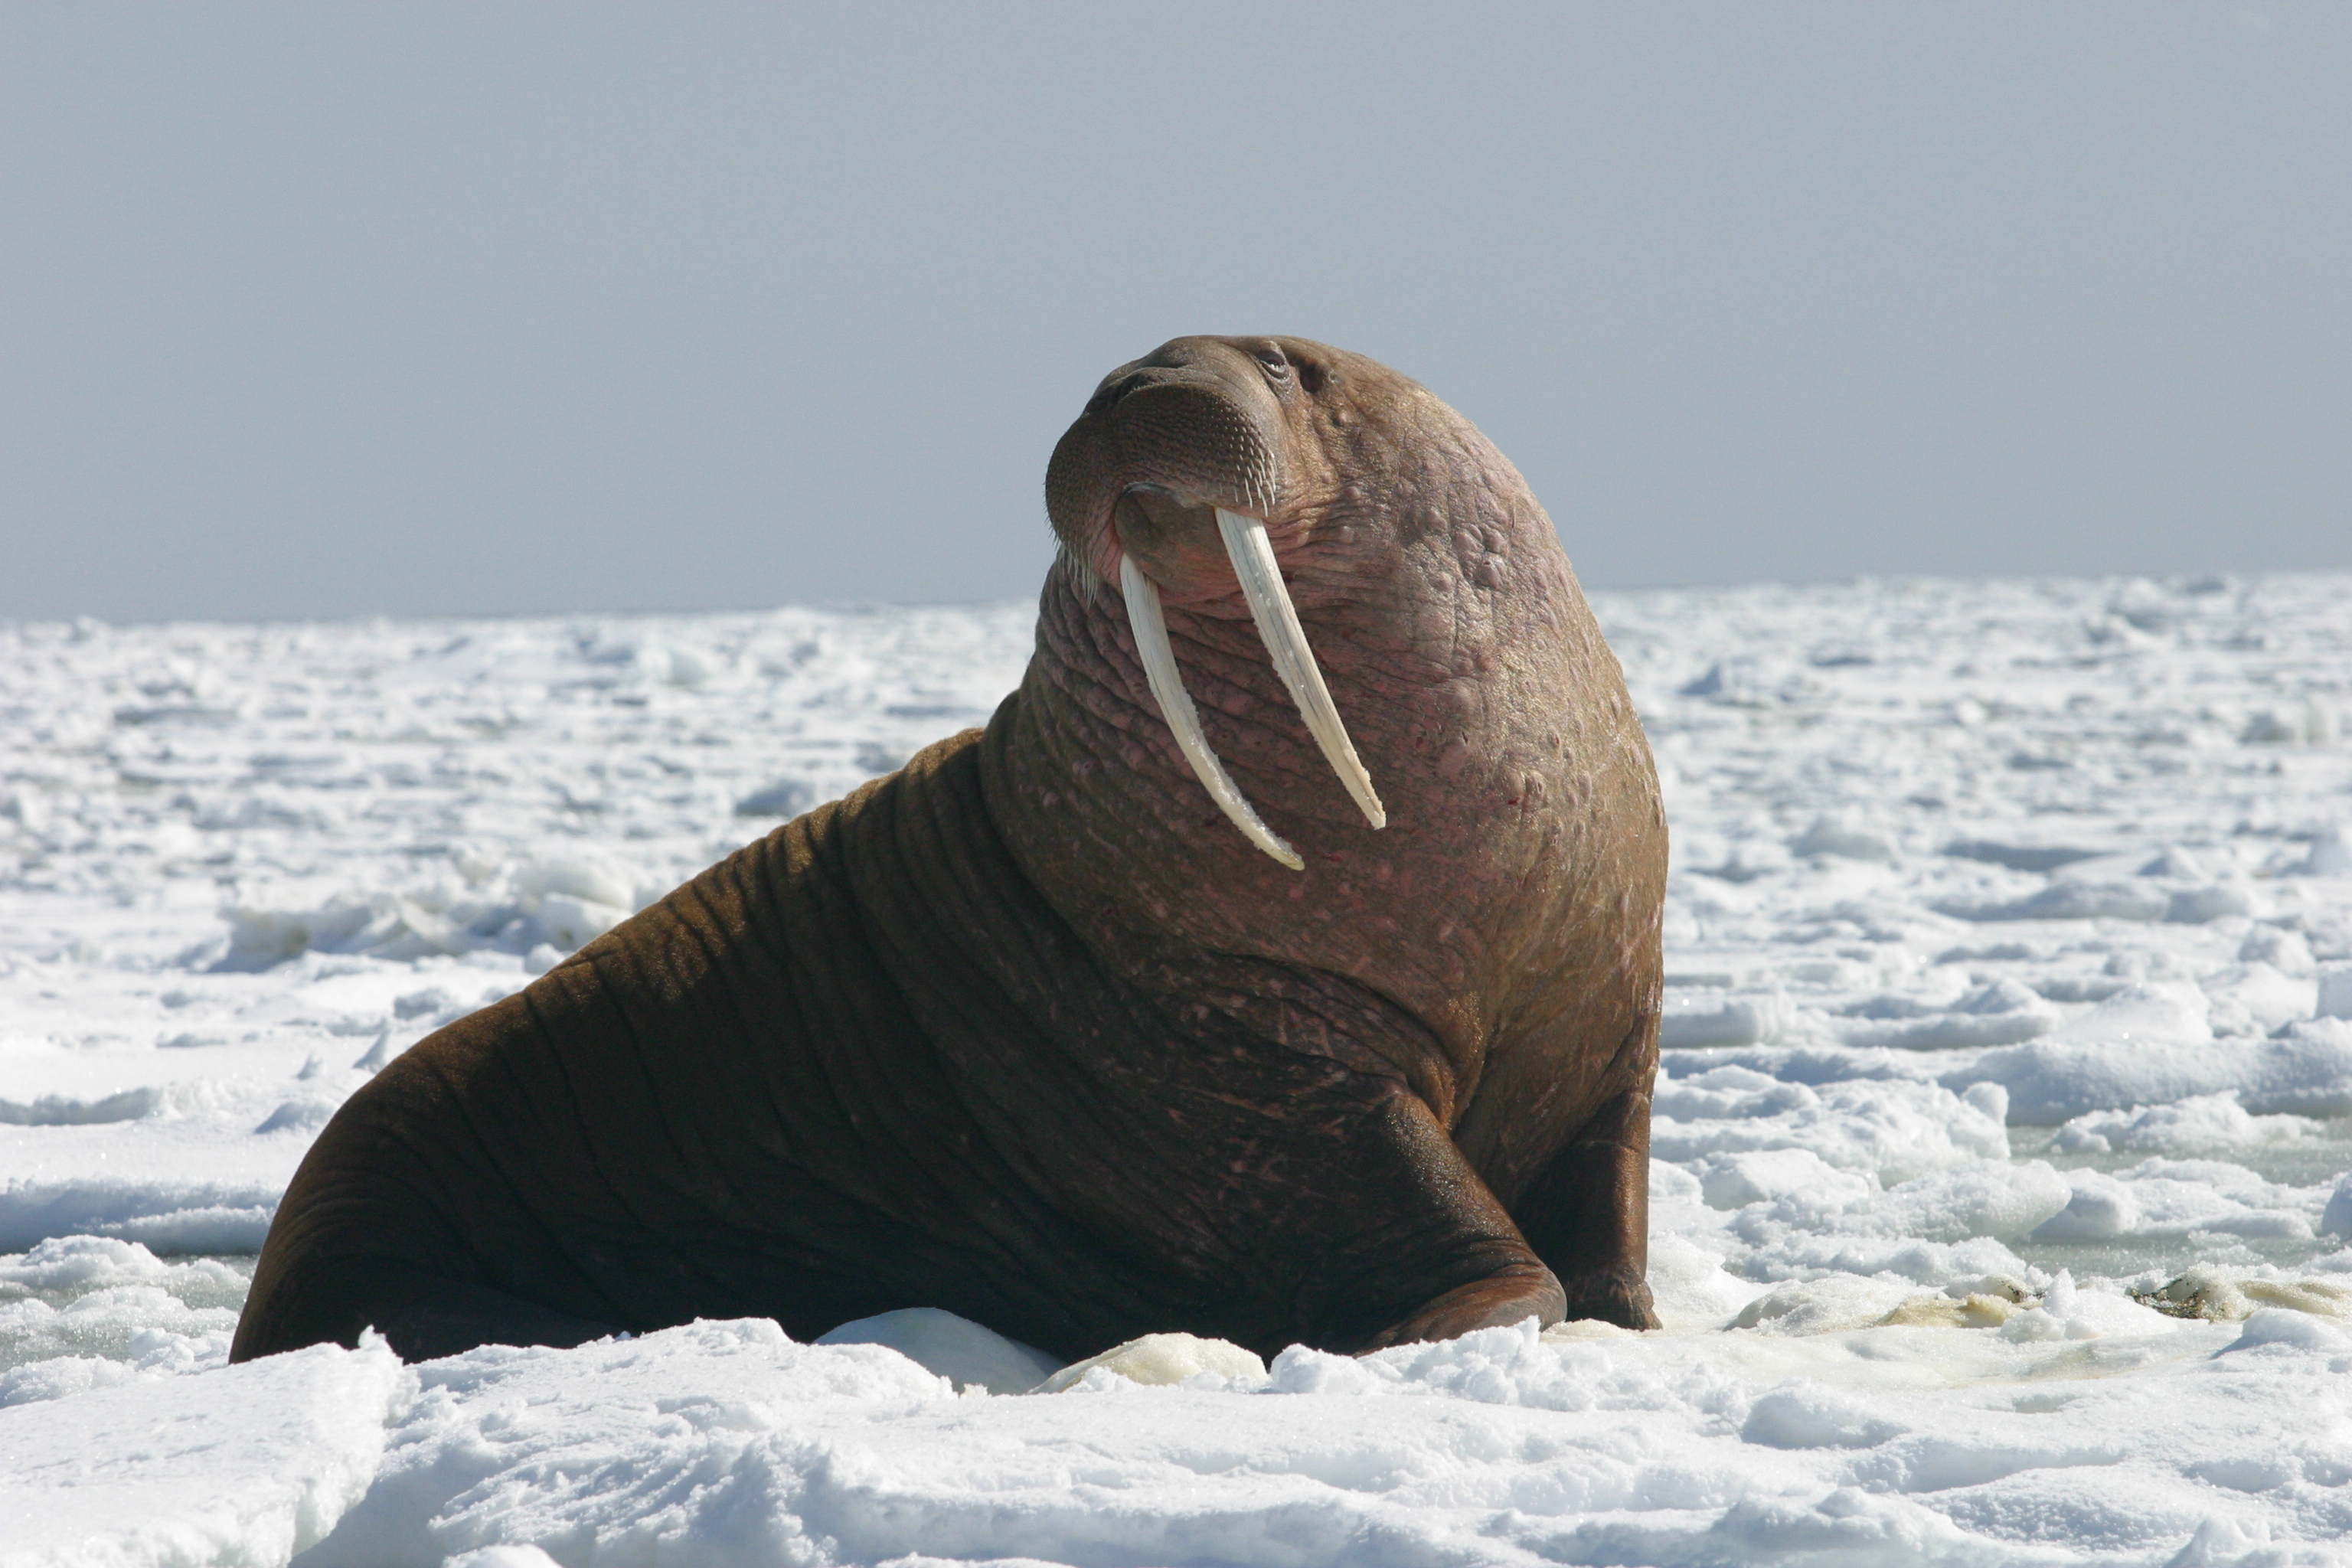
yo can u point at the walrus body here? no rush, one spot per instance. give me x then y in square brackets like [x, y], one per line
[1029, 1032]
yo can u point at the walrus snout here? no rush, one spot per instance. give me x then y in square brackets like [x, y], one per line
[1195, 419]
[1195, 432]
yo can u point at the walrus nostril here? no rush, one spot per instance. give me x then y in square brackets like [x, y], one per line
[1119, 390]
[1114, 387]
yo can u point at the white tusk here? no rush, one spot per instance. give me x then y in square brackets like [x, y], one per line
[1151, 646]
[1277, 626]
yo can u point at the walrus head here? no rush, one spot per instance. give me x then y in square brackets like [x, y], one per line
[1193, 443]
[1292, 575]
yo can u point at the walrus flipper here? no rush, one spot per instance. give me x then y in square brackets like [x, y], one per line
[1415, 1217]
[1588, 1215]
[436, 1317]
[422, 1316]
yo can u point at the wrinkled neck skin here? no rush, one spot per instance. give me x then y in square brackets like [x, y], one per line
[1491, 718]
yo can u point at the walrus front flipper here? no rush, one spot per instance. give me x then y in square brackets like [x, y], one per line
[422, 1316]
[446, 1316]
[1588, 1215]
[1410, 1244]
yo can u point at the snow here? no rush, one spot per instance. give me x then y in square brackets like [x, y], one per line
[2001, 1207]
[245, 1463]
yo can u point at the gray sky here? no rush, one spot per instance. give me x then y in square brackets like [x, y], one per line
[324, 309]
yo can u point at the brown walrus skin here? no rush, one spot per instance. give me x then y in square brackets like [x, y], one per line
[1029, 1032]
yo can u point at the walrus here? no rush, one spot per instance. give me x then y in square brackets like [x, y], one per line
[1280, 964]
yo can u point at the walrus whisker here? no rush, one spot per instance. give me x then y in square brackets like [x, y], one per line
[1151, 646]
[1278, 626]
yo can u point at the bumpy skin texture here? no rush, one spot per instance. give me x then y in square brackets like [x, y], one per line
[1029, 1032]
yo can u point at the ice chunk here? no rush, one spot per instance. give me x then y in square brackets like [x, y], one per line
[2309, 1071]
[264, 935]
[1892, 1128]
[693, 1427]
[2021, 857]
[1734, 1181]
[2331, 853]
[2182, 1197]
[2337, 1218]
[123, 1105]
[582, 876]
[1987, 1198]
[2071, 900]
[154, 1208]
[378, 1053]
[2099, 1210]
[303, 1113]
[2281, 1326]
[1691, 1287]
[2163, 1013]
[956, 1348]
[2304, 724]
[1672, 1183]
[1159, 1360]
[2207, 1291]
[71, 1319]
[81, 1263]
[2288, 951]
[2067, 1312]
[2001, 1012]
[1699, 1019]
[2252, 997]
[524, 1556]
[2334, 997]
[651, 661]
[2204, 1121]
[2196, 906]
[787, 797]
[1933, 1229]
[1833, 835]
[1513, 1364]
[1811, 1416]
[573, 923]
[1956, 1307]
[1832, 1304]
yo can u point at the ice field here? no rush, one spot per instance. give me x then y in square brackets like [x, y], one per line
[2001, 1204]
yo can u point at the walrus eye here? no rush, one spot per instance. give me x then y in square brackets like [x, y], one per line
[1270, 360]
[1151, 646]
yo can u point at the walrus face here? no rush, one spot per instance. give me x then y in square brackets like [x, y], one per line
[1207, 439]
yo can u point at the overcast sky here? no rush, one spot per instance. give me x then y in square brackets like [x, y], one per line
[314, 311]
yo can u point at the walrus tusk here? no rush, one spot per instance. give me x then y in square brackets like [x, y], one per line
[1277, 626]
[1183, 721]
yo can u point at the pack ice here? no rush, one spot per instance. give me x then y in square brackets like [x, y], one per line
[2000, 1209]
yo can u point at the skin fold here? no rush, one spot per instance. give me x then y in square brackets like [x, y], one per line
[1028, 1031]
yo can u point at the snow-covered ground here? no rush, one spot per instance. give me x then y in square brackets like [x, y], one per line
[1997, 1206]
